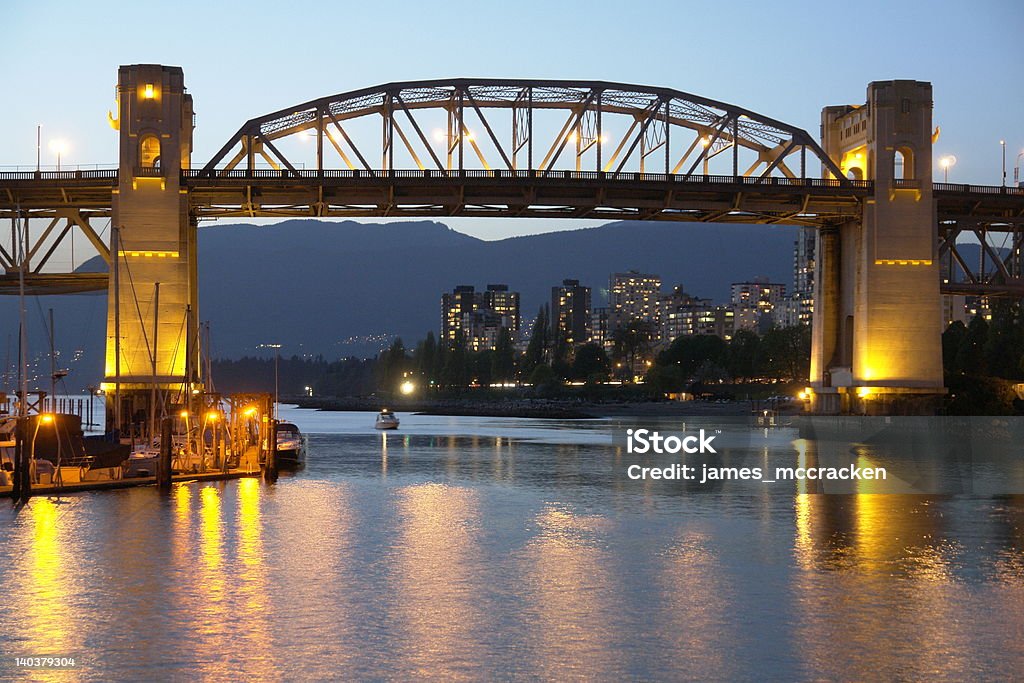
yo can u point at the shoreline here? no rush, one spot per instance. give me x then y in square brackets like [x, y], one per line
[531, 408]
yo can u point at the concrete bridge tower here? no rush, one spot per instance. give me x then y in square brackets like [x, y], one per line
[153, 304]
[876, 338]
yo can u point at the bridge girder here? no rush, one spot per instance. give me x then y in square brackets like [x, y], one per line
[495, 124]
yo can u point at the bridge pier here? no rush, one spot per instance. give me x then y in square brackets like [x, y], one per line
[877, 334]
[152, 329]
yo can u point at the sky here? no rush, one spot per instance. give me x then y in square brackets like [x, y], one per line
[785, 60]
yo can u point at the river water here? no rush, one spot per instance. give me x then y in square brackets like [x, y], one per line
[485, 548]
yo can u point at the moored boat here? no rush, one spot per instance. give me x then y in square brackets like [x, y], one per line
[291, 448]
[386, 420]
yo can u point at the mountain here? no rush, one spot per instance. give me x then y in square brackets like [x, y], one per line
[314, 285]
[311, 285]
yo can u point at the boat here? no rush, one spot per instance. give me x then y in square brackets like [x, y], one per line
[386, 420]
[291, 447]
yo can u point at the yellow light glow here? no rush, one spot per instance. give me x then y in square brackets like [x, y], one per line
[151, 254]
[407, 388]
[249, 412]
[46, 418]
[148, 93]
[184, 413]
[863, 392]
[212, 416]
[903, 262]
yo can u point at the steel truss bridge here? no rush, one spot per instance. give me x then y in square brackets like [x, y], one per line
[520, 148]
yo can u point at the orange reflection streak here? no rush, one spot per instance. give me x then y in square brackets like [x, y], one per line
[213, 632]
[885, 556]
[572, 595]
[42, 600]
[250, 586]
[437, 573]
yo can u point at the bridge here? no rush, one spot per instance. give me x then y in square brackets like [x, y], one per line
[888, 235]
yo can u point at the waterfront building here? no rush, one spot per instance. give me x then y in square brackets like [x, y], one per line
[499, 299]
[600, 327]
[755, 303]
[803, 275]
[633, 296]
[676, 313]
[571, 312]
[479, 316]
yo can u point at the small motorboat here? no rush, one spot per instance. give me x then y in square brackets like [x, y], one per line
[291, 449]
[386, 420]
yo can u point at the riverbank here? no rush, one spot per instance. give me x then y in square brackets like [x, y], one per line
[546, 408]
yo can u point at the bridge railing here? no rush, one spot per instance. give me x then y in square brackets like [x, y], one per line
[531, 174]
[89, 174]
[982, 189]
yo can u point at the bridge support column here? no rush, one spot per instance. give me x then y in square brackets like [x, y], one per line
[876, 341]
[152, 329]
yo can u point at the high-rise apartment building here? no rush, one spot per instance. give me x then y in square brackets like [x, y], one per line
[570, 312]
[803, 276]
[758, 304]
[479, 316]
[633, 296]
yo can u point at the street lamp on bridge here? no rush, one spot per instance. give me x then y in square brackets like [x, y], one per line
[58, 147]
[946, 162]
[1016, 169]
[1002, 143]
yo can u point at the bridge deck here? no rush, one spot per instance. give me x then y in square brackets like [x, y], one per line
[556, 194]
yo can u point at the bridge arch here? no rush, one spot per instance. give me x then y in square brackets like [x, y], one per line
[536, 126]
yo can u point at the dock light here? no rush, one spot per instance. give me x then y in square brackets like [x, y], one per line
[407, 388]
[212, 416]
[148, 92]
[250, 411]
[46, 418]
[184, 413]
[864, 392]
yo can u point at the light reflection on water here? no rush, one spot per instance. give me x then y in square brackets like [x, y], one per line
[492, 550]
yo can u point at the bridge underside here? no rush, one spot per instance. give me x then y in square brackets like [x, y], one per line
[54, 283]
[82, 198]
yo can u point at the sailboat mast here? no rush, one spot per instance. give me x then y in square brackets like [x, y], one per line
[152, 393]
[116, 234]
[23, 341]
[53, 367]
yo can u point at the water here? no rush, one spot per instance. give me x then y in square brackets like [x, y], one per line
[483, 548]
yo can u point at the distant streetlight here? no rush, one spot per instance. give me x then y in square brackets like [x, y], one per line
[58, 147]
[946, 162]
[1016, 169]
[1002, 143]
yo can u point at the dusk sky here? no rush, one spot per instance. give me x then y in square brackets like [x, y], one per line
[785, 60]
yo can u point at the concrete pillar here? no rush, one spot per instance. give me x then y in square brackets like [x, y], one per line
[157, 245]
[881, 351]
